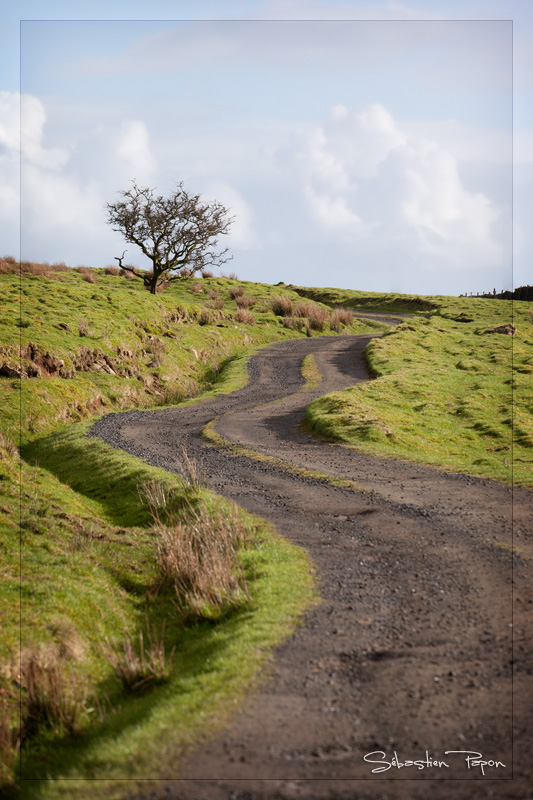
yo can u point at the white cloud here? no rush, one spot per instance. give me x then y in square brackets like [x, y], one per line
[360, 186]
[9, 121]
[362, 174]
[9, 170]
[241, 233]
[133, 149]
[32, 122]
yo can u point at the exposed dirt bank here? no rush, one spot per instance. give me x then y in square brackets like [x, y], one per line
[411, 651]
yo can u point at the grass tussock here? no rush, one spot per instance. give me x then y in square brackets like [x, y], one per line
[340, 318]
[53, 696]
[317, 318]
[243, 301]
[245, 317]
[10, 736]
[199, 560]
[282, 306]
[142, 662]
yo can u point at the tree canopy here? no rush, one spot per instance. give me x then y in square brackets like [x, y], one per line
[178, 233]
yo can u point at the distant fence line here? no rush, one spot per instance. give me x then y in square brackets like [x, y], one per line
[521, 293]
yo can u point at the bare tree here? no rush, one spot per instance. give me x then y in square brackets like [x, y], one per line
[178, 233]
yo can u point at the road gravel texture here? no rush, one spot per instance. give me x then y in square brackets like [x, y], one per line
[421, 645]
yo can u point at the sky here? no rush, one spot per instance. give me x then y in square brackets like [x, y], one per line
[363, 144]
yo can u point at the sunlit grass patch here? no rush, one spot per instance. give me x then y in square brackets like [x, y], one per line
[91, 586]
[449, 392]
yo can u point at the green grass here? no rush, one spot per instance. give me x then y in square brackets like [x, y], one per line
[87, 545]
[109, 345]
[87, 569]
[448, 392]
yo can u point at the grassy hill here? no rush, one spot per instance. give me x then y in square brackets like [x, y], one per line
[89, 570]
[452, 388]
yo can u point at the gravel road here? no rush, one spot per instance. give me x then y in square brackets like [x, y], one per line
[421, 645]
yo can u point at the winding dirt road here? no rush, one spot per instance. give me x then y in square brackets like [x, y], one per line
[422, 643]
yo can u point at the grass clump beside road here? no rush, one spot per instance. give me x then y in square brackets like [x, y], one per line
[449, 391]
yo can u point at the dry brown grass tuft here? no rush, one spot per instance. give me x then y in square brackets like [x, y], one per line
[9, 740]
[52, 697]
[317, 318]
[8, 446]
[206, 273]
[245, 317]
[197, 288]
[282, 306]
[83, 326]
[156, 495]
[198, 559]
[235, 292]
[245, 302]
[292, 323]
[204, 316]
[156, 348]
[302, 309]
[111, 270]
[9, 265]
[340, 318]
[216, 300]
[141, 666]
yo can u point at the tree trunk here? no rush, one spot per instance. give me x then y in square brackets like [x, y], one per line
[154, 281]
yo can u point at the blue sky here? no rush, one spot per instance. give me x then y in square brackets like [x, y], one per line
[367, 145]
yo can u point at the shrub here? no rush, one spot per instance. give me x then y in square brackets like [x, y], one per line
[282, 306]
[246, 317]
